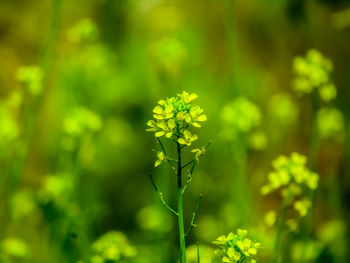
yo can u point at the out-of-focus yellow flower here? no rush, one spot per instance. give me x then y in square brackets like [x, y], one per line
[330, 123]
[283, 109]
[31, 77]
[84, 30]
[14, 247]
[112, 246]
[80, 121]
[293, 181]
[312, 72]
[241, 115]
[169, 54]
[270, 218]
[302, 206]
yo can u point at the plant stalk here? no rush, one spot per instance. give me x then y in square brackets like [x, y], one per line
[180, 206]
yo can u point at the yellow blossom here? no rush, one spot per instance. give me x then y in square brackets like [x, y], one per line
[188, 138]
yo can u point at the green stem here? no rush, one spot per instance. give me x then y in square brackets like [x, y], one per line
[180, 207]
[277, 245]
[181, 226]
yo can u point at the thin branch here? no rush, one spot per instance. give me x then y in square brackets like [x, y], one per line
[161, 198]
[195, 215]
[198, 258]
[189, 179]
[168, 159]
[187, 164]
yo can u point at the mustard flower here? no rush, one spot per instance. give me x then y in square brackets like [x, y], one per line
[187, 138]
[236, 248]
[80, 121]
[174, 116]
[31, 77]
[161, 157]
[84, 30]
[113, 246]
[198, 152]
[292, 180]
[330, 123]
[14, 247]
[312, 72]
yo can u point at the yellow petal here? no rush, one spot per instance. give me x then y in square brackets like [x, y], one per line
[181, 141]
[188, 118]
[158, 110]
[171, 124]
[161, 102]
[226, 260]
[160, 133]
[187, 134]
[202, 118]
[252, 250]
[193, 138]
[242, 232]
[240, 245]
[247, 243]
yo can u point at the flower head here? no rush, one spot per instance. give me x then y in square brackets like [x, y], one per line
[174, 116]
[312, 72]
[31, 77]
[187, 138]
[234, 247]
[292, 180]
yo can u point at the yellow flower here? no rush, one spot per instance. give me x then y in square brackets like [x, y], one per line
[198, 153]
[222, 240]
[161, 157]
[187, 97]
[302, 206]
[163, 113]
[232, 255]
[197, 116]
[152, 126]
[188, 138]
[165, 128]
[31, 77]
[183, 116]
[247, 247]
[242, 232]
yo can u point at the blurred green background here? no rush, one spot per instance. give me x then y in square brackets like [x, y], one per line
[78, 82]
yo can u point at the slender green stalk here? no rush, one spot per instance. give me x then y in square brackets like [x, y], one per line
[180, 206]
[276, 257]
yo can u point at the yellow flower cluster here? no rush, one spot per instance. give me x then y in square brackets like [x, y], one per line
[312, 72]
[174, 116]
[330, 123]
[293, 179]
[31, 77]
[81, 120]
[241, 118]
[236, 248]
[112, 247]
